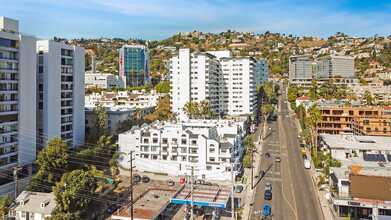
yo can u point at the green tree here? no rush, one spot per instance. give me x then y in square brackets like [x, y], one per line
[138, 113]
[368, 97]
[163, 87]
[205, 109]
[190, 108]
[348, 104]
[163, 110]
[314, 118]
[75, 191]
[301, 119]
[98, 124]
[267, 109]
[52, 161]
[64, 216]
[5, 202]
[314, 87]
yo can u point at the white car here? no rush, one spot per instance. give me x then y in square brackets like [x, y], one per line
[284, 101]
[287, 116]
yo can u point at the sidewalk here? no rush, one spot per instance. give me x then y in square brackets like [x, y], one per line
[321, 195]
[250, 192]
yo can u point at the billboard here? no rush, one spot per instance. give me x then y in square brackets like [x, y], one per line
[370, 187]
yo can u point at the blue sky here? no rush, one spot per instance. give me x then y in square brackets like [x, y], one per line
[159, 19]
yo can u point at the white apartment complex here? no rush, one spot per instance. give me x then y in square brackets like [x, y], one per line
[171, 148]
[17, 99]
[379, 92]
[335, 66]
[300, 68]
[226, 82]
[104, 80]
[124, 99]
[60, 93]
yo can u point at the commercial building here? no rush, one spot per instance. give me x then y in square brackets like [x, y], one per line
[300, 69]
[104, 80]
[360, 120]
[33, 205]
[134, 64]
[171, 147]
[60, 96]
[264, 71]
[17, 100]
[226, 82]
[335, 66]
[360, 187]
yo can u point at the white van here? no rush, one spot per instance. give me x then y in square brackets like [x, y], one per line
[307, 164]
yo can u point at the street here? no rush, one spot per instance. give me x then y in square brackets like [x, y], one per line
[292, 188]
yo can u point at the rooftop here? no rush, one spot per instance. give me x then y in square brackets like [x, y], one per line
[148, 205]
[355, 142]
[32, 202]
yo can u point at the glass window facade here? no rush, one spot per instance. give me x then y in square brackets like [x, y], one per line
[135, 66]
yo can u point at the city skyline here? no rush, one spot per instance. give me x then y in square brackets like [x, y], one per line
[154, 20]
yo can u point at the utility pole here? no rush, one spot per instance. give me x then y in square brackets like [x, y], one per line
[16, 169]
[191, 193]
[232, 198]
[131, 185]
[252, 155]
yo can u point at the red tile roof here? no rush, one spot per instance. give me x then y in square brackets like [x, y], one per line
[133, 96]
[303, 98]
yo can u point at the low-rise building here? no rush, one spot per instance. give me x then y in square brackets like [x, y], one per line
[104, 80]
[338, 120]
[379, 92]
[116, 115]
[211, 145]
[33, 205]
[123, 99]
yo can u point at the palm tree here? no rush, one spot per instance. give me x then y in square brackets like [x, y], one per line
[138, 113]
[5, 202]
[314, 118]
[133, 71]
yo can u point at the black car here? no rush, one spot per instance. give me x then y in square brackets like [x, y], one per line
[301, 145]
[136, 178]
[146, 179]
[268, 195]
[261, 173]
[304, 157]
[267, 155]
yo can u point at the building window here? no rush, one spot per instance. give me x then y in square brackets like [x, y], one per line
[211, 159]
[208, 167]
[211, 150]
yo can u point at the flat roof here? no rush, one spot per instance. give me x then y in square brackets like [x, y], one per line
[148, 205]
[211, 196]
[355, 142]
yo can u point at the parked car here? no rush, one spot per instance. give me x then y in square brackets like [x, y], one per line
[278, 159]
[307, 164]
[261, 173]
[303, 150]
[268, 195]
[268, 186]
[200, 182]
[298, 136]
[145, 179]
[301, 145]
[239, 189]
[136, 178]
[287, 116]
[267, 155]
[266, 210]
[270, 128]
[208, 184]
[198, 210]
[170, 183]
[304, 157]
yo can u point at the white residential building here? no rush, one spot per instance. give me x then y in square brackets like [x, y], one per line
[384, 74]
[17, 99]
[226, 82]
[124, 99]
[172, 147]
[379, 92]
[104, 80]
[335, 66]
[60, 93]
[33, 205]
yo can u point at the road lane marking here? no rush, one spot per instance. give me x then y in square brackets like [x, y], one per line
[282, 182]
[289, 171]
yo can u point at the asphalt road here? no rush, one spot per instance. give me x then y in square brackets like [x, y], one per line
[292, 188]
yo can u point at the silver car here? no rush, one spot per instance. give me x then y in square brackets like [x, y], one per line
[268, 186]
[278, 159]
